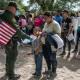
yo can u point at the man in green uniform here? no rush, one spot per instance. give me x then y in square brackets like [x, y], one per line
[11, 47]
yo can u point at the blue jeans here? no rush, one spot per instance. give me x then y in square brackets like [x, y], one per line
[38, 63]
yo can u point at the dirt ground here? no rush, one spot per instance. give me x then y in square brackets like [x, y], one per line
[68, 69]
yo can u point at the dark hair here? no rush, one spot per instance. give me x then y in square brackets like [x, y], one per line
[66, 11]
[30, 15]
[58, 11]
[73, 14]
[47, 14]
[22, 16]
[13, 4]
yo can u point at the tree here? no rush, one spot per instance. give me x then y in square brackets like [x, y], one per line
[44, 4]
[4, 3]
[65, 4]
[55, 4]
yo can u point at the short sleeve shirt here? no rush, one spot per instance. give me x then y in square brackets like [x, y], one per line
[52, 27]
[66, 23]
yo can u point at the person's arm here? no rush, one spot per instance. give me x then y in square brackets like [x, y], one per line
[57, 28]
[70, 27]
[32, 47]
[44, 28]
[19, 33]
[62, 26]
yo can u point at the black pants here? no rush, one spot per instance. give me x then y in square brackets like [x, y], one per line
[66, 41]
[49, 56]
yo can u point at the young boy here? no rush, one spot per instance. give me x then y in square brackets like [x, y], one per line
[37, 51]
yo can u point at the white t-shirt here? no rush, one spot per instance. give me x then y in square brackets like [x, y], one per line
[79, 21]
[75, 22]
[52, 27]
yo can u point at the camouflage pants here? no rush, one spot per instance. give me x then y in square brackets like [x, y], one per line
[11, 56]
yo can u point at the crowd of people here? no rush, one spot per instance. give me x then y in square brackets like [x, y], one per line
[49, 30]
[69, 23]
[66, 25]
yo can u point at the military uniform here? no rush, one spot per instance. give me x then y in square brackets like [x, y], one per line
[11, 47]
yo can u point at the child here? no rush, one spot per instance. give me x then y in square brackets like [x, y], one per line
[37, 51]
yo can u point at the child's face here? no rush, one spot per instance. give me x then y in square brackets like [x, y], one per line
[37, 32]
[34, 33]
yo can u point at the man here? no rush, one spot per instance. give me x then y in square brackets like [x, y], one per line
[51, 26]
[58, 17]
[30, 26]
[77, 38]
[66, 30]
[11, 48]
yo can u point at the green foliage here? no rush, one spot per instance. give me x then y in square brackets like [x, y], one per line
[22, 8]
[3, 4]
[44, 4]
[55, 4]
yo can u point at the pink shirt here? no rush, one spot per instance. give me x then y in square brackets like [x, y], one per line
[37, 22]
[23, 22]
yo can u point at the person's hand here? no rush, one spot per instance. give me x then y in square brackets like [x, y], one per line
[44, 34]
[39, 33]
[68, 33]
[21, 44]
[37, 51]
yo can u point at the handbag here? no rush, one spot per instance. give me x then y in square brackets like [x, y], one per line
[55, 40]
[58, 40]
[70, 37]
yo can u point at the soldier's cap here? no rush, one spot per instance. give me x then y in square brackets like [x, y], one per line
[13, 4]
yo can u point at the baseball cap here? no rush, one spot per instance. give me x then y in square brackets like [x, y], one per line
[13, 4]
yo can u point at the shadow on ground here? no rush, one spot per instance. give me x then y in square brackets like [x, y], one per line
[42, 78]
[3, 78]
[23, 58]
[72, 65]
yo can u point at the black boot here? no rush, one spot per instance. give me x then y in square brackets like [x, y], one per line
[54, 74]
[54, 70]
[63, 53]
[14, 77]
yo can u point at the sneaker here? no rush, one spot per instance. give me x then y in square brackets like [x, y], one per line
[34, 73]
[68, 55]
[63, 53]
[78, 56]
[46, 72]
[54, 75]
[37, 76]
[74, 51]
[49, 74]
[79, 53]
[54, 70]
[14, 77]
